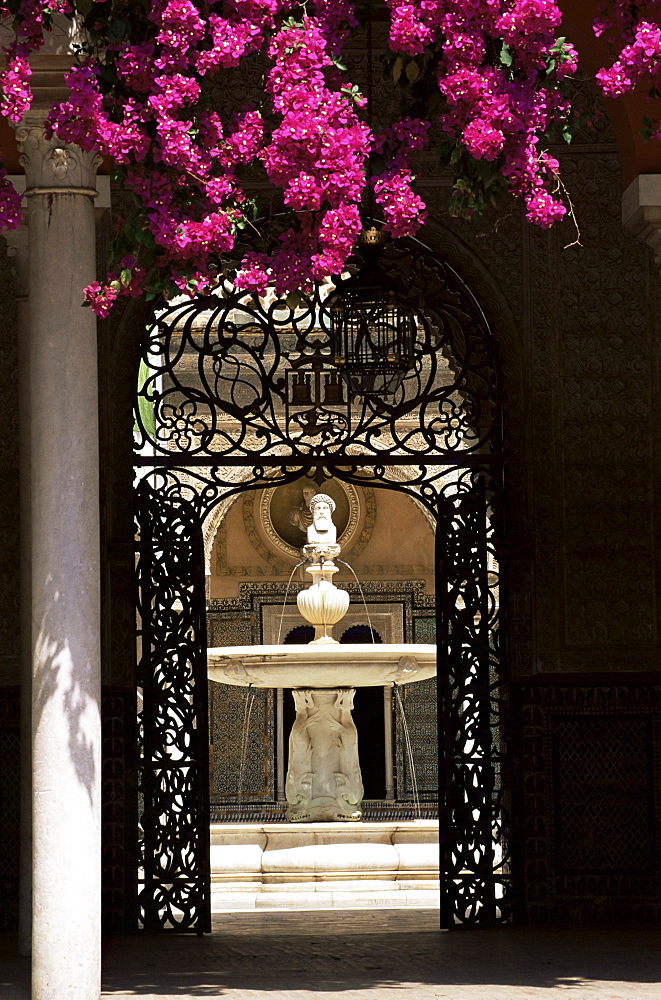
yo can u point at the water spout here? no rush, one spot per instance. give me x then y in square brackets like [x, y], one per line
[409, 752]
[362, 594]
[284, 603]
[243, 756]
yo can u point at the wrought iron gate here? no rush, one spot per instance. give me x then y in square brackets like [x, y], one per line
[473, 699]
[173, 758]
[240, 393]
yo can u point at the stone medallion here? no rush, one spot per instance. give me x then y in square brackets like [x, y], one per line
[284, 515]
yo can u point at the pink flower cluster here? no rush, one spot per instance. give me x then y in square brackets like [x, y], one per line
[497, 109]
[137, 95]
[177, 158]
[634, 32]
[316, 154]
[30, 19]
[404, 211]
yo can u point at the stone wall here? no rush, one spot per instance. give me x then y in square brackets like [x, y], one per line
[589, 787]
[578, 327]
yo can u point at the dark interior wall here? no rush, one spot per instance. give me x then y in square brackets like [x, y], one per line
[583, 554]
[119, 341]
[588, 848]
[580, 364]
[582, 426]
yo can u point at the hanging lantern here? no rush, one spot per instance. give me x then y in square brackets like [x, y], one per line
[372, 327]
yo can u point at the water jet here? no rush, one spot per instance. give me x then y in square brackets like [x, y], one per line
[324, 781]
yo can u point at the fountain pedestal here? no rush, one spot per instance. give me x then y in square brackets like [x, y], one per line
[323, 780]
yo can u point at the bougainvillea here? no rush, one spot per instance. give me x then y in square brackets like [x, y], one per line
[138, 95]
[634, 33]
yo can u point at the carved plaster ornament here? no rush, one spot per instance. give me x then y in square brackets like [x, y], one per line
[407, 665]
[52, 165]
[236, 673]
[300, 515]
[277, 520]
[61, 160]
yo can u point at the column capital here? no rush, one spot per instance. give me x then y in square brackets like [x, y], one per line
[641, 211]
[53, 166]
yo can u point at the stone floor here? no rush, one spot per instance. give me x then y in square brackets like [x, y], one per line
[358, 955]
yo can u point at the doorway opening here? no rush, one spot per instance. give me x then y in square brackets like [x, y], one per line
[221, 415]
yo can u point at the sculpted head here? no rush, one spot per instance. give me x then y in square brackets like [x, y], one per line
[322, 527]
[308, 494]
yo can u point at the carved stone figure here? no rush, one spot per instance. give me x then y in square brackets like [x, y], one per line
[322, 530]
[323, 779]
[322, 604]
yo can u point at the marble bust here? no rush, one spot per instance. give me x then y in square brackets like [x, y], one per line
[322, 531]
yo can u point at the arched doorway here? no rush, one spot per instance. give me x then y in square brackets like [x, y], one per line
[242, 394]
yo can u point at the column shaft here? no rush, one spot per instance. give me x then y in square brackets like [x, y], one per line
[66, 568]
[17, 243]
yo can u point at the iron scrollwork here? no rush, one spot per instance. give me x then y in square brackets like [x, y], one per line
[232, 375]
[173, 885]
[475, 861]
[240, 393]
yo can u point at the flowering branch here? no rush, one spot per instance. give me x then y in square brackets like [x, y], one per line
[634, 33]
[137, 96]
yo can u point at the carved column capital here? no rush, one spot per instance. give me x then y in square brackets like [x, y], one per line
[641, 211]
[53, 166]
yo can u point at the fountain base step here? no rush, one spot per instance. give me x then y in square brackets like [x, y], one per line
[324, 865]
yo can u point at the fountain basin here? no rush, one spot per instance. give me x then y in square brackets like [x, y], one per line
[326, 665]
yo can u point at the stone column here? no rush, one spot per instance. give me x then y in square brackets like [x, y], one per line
[17, 249]
[66, 729]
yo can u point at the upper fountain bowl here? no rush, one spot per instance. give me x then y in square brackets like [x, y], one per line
[323, 665]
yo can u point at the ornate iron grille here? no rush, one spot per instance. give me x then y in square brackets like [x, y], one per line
[474, 849]
[235, 377]
[241, 393]
[173, 788]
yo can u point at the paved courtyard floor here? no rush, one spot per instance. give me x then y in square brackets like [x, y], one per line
[394, 954]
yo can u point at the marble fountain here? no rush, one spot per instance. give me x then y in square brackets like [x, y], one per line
[272, 864]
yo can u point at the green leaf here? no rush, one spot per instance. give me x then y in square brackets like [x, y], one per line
[412, 71]
[505, 55]
[397, 68]
[117, 28]
[125, 276]
[294, 300]
[145, 404]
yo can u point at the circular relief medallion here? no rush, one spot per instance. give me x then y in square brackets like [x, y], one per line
[284, 513]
